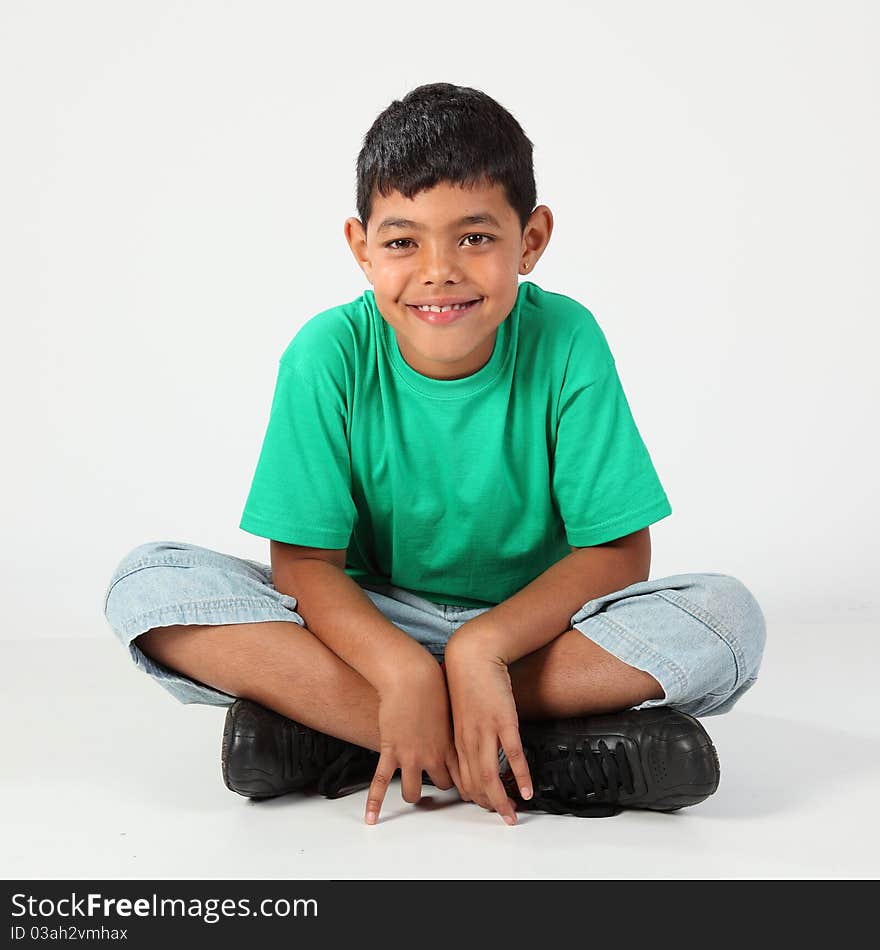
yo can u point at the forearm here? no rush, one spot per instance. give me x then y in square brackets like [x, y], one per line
[543, 609]
[338, 612]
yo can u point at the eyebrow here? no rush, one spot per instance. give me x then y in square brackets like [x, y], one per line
[482, 217]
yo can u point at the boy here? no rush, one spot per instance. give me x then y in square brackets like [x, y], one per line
[450, 472]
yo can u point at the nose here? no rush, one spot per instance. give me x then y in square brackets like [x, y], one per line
[438, 266]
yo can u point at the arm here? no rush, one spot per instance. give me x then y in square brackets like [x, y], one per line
[479, 652]
[338, 612]
[543, 609]
[415, 730]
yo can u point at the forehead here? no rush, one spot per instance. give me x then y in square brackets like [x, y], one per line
[442, 207]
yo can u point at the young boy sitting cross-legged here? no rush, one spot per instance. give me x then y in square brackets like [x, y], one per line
[450, 472]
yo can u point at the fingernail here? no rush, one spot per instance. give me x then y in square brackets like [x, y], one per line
[509, 820]
[525, 792]
[371, 817]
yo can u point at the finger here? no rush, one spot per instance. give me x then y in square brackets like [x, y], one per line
[455, 772]
[478, 785]
[516, 758]
[411, 783]
[381, 779]
[467, 787]
[491, 780]
[440, 776]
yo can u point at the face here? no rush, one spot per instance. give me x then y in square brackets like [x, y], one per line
[424, 250]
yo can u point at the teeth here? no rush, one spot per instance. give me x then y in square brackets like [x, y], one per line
[458, 306]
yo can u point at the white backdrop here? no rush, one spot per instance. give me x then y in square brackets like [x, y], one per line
[175, 177]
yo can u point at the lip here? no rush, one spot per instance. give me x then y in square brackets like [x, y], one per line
[442, 319]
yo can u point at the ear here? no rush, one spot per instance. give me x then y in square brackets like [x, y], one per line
[356, 236]
[537, 233]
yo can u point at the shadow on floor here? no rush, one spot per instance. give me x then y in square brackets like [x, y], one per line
[770, 764]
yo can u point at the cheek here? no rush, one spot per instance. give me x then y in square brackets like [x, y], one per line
[390, 279]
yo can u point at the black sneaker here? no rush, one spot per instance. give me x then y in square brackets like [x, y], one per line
[594, 767]
[265, 754]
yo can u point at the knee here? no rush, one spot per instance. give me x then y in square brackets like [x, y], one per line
[735, 606]
[148, 553]
[144, 555]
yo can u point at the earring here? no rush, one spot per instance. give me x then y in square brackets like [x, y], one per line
[525, 265]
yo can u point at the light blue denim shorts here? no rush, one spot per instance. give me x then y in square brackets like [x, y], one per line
[701, 636]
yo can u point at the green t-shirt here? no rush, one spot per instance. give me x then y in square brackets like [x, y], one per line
[462, 490]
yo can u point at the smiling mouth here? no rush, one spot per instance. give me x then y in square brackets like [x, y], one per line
[444, 316]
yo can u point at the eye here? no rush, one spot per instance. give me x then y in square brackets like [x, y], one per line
[396, 244]
[485, 236]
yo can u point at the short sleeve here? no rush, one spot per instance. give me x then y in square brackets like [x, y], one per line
[301, 489]
[604, 482]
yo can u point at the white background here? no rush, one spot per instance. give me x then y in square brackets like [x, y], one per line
[175, 178]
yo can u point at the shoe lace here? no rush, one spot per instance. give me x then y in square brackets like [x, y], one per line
[307, 751]
[581, 780]
[349, 771]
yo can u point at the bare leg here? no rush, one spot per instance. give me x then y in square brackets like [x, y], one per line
[286, 668]
[279, 665]
[573, 676]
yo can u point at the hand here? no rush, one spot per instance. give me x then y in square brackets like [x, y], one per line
[484, 716]
[415, 734]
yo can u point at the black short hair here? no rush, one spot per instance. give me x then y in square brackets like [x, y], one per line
[440, 132]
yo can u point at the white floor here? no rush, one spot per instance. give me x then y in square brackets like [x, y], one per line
[106, 777]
